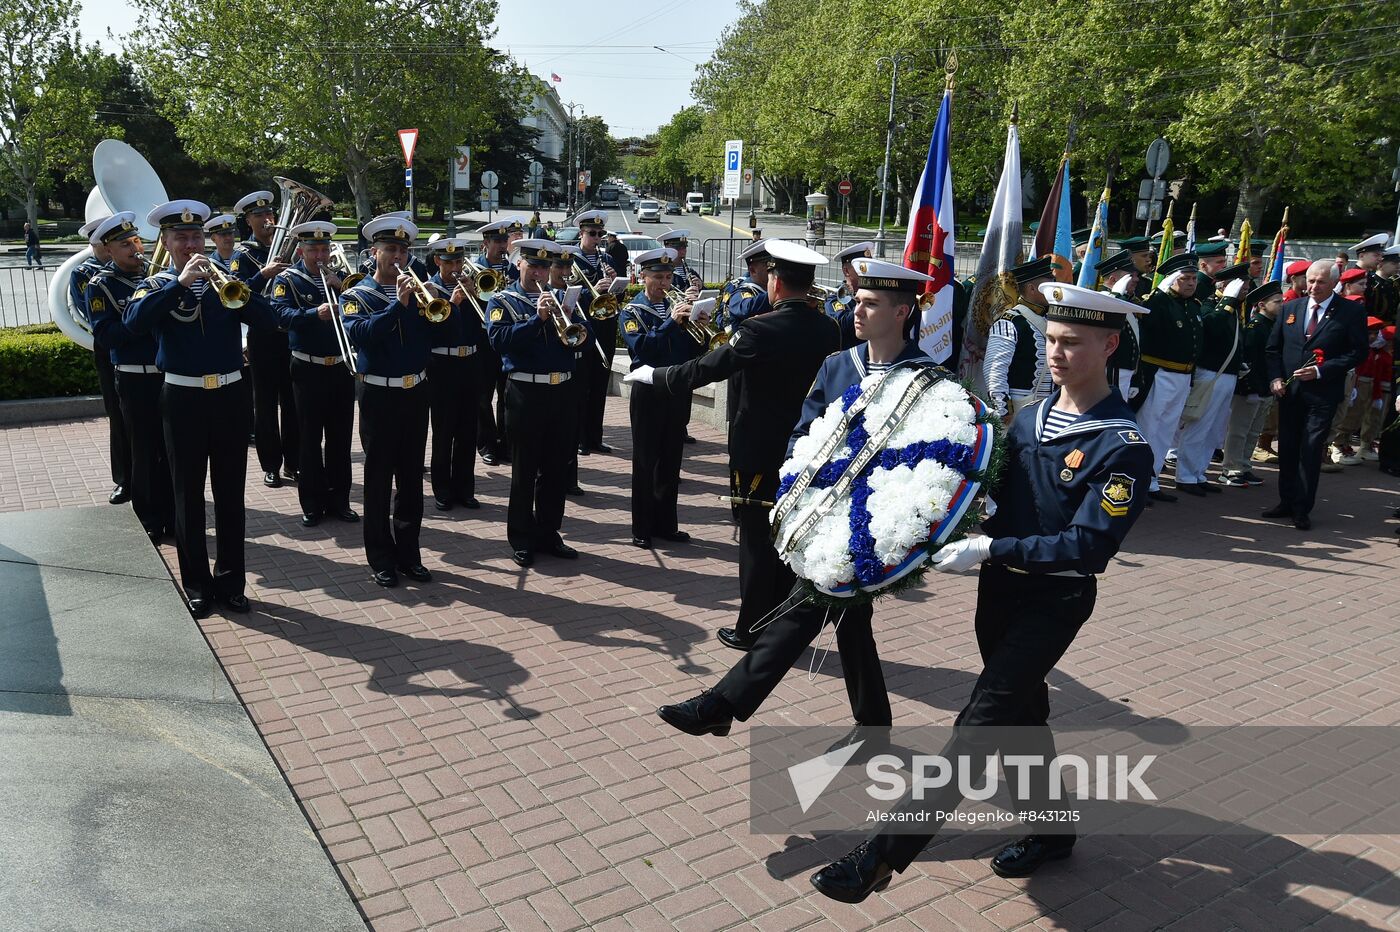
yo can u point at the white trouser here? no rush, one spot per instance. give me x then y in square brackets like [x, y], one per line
[1201, 437]
[1160, 413]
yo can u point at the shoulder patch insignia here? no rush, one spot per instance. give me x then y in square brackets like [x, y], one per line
[631, 327]
[1131, 436]
[280, 291]
[140, 293]
[351, 308]
[497, 315]
[97, 304]
[1117, 493]
[233, 265]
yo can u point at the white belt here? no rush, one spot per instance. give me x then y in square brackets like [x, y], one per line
[458, 351]
[203, 381]
[316, 360]
[139, 370]
[407, 381]
[541, 378]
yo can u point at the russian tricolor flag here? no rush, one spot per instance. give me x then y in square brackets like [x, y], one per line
[929, 245]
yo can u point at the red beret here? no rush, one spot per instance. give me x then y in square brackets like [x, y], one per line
[1389, 332]
[1351, 275]
[1374, 323]
[1297, 268]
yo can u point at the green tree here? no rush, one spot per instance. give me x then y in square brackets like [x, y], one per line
[596, 150]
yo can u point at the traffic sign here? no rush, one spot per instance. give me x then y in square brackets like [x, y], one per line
[845, 187]
[490, 199]
[536, 169]
[489, 179]
[408, 177]
[408, 138]
[733, 174]
[1159, 156]
[747, 187]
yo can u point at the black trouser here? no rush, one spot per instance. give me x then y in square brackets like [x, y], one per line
[593, 389]
[325, 409]
[764, 579]
[274, 407]
[118, 445]
[152, 497]
[783, 639]
[575, 389]
[1303, 426]
[542, 423]
[658, 437]
[490, 403]
[1389, 445]
[393, 434]
[206, 430]
[452, 384]
[1024, 626]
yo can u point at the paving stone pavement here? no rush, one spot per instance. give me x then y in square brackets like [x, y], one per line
[481, 752]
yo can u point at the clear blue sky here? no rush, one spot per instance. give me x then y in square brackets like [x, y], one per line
[604, 51]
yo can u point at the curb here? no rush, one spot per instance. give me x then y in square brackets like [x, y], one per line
[33, 410]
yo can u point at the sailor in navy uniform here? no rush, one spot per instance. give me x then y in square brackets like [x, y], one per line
[561, 269]
[539, 403]
[452, 380]
[1075, 480]
[269, 353]
[419, 267]
[133, 361]
[392, 336]
[688, 281]
[746, 297]
[1118, 276]
[223, 232]
[772, 359]
[321, 377]
[600, 269]
[203, 402]
[840, 305]
[886, 321]
[491, 436]
[654, 329]
[1014, 369]
[118, 447]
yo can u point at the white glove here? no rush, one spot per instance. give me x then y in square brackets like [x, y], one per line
[1352, 399]
[962, 555]
[640, 374]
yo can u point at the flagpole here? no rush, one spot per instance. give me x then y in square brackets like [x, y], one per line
[895, 61]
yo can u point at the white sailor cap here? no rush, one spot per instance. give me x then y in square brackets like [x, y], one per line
[656, 260]
[223, 223]
[450, 247]
[569, 250]
[401, 214]
[1392, 252]
[757, 251]
[179, 215]
[315, 231]
[592, 219]
[782, 251]
[257, 202]
[1376, 242]
[509, 225]
[391, 228]
[111, 229]
[878, 275]
[86, 229]
[1070, 304]
[536, 251]
[866, 250]
[674, 238]
[491, 229]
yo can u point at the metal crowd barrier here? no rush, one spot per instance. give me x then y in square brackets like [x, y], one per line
[24, 294]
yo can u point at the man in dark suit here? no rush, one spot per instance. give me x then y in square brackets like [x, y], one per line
[1317, 339]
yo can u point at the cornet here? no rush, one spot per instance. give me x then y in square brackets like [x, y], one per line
[570, 334]
[698, 330]
[603, 306]
[435, 309]
[487, 281]
[233, 293]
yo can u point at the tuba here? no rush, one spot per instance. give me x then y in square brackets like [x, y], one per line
[300, 203]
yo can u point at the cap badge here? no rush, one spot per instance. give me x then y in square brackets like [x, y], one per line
[127, 225]
[186, 216]
[1059, 294]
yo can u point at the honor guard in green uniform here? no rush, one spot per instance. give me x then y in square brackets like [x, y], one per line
[118, 448]
[1171, 344]
[1211, 259]
[1204, 421]
[390, 322]
[1014, 369]
[1249, 410]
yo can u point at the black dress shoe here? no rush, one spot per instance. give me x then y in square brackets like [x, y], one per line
[155, 536]
[272, 480]
[418, 572]
[523, 558]
[386, 578]
[441, 504]
[705, 714]
[583, 449]
[602, 448]
[643, 542]
[310, 519]
[729, 637]
[236, 603]
[200, 607]
[1212, 489]
[1278, 511]
[292, 474]
[470, 503]
[689, 439]
[1157, 495]
[679, 537]
[576, 491]
[1192, 488]
[1302, 523]
[347, 514]
[490, 459]
[1021, 858]
[561, 550]
[119, 496]
[855, 876]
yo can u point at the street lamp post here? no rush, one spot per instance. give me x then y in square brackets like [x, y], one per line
[894, 61]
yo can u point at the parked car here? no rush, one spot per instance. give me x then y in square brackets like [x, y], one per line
[568, 235]
[673, 207]
[649, 210]
[707, 208]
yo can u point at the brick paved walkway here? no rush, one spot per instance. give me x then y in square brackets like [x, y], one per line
[481, 752]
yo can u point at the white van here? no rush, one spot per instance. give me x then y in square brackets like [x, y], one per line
[693, 200]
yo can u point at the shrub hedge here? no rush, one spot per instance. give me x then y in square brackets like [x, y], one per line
[38, 361]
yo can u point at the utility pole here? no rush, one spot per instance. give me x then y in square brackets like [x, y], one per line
[894, 61]
[573, 153]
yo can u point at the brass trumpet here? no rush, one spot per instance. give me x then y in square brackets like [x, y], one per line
[233, 293]
[435, 309]
[570, 334]
[487, 281]
[604, 306]
[698, 330]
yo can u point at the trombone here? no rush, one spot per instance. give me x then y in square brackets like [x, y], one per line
[347, 350]
[233, 293]
[487, 281]
[700, 331]
[435, 309]
[603, 306]
[570, 334]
